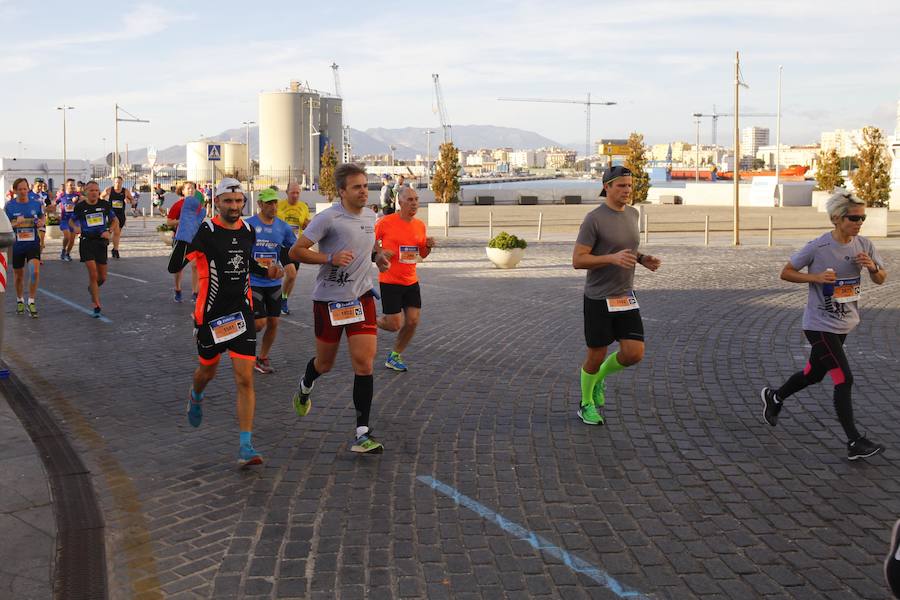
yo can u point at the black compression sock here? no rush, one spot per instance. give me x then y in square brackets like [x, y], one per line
[311, 374]
[363, 386]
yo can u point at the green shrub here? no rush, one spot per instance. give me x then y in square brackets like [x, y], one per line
[52, 219]
[505, 241]
[165, 227]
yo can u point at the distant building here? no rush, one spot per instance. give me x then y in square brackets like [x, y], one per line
[895, 163]
[559, 158]
[805, 156]
[752, 138]
[843, 140]
[527, 159]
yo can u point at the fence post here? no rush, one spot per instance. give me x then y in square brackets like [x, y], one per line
[540, 224]
[706, 231]
[490, 225]
[770, 231]
[447, 222]
[646, 227]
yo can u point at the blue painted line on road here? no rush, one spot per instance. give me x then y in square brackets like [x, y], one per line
[537, 542]
[83, 309]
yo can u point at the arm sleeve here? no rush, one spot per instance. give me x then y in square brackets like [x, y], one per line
[804, 256]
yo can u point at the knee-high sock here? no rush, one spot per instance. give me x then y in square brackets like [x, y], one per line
[362, 398]
[610, 365]
[588, 381]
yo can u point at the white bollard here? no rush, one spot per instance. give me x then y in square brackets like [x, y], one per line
[706, 231]
[447, 224]
[770, 231]
[646, 227]
[540, 224]
[490, 225]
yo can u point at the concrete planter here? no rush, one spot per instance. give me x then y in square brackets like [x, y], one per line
[505, 259]
[876, 224]
[166, 237]
[320, 206]
[440, 213]
[819, 198]
[53, 232]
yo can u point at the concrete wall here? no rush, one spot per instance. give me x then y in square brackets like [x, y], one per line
[13, 168]
[797, 193]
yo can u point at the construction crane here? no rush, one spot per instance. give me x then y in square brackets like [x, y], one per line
[345, 130]
[441, 109]
[587, 112]
[715, 120]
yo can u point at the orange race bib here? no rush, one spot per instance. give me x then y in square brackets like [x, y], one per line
[345, 313]
[228, 327]
[846, 290]
[622, 303]
[409, 255]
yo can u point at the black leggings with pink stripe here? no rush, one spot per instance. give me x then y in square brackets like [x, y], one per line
[827, 356]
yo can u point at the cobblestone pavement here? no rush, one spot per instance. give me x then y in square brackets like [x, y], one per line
[684, 494]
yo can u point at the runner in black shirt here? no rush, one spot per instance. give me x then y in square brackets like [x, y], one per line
[117, 195]
[93, 219]
[223, 314]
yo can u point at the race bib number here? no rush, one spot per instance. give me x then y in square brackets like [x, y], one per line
[118, 204]
[409, 255]
[95, 219]
[227, 327]
[24, 235]
[622, 303]
[846, 290]
[345, 313]
[266, 259]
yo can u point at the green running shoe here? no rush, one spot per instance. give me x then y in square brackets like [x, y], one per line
[590, 415]
[302, 402]
[32, 310]
[20, 308]
[366, 443]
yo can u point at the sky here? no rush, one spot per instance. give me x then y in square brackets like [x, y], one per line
[196, 68]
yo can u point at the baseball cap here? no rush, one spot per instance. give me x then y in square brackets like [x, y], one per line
[268, 195]
[228, 185]
[612, 174]
[39, 180]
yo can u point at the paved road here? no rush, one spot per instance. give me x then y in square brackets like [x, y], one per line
[684, 494]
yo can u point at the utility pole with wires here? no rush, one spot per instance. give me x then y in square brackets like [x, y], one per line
[133, 119]
[587, 112]
[738, 84]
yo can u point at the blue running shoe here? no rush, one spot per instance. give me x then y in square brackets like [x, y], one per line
[96, 314]
[395, 362]
[247, 456]
[178, 296]
[194, 409]
[284, 307]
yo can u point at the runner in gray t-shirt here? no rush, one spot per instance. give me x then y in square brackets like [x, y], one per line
[834, 264]
[607, 247]
[342, 296]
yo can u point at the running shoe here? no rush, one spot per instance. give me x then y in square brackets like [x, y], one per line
[395, 362]
[248, 456]
[862, 448]
[62, 255]
[366, 443]
[96, 313]
[20, 308]
[263, 366]
[178, 296]
[892, 562]
[302, 402]
[590, 415]
[771, 405]
[68, 257]
[115, 253]
[194, 410]
[194, 297]
[32, 310]
[599, 395]
[284, 307]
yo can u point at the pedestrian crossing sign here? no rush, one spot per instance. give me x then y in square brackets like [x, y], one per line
[214, 152]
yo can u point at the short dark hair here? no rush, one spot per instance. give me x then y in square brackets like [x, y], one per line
[17, 182]
[91, 182]
[345, 170]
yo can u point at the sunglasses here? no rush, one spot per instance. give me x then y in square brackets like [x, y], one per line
[855, 218]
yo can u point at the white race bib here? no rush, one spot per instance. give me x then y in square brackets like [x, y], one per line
[345, 313]
[266, 259]
[846, 290]
[25, 235]
[227, 327]
[409, 255]
[622, 303]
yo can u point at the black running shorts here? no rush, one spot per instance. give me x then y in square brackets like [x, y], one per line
[93, 248]
[266, 301]
[602, 328]
[20, 259]
[241, 346]
[396, 297]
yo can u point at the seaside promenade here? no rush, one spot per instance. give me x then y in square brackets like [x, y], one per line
[490, 487]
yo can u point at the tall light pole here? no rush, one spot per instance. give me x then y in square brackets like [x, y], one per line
[247, 124]
[697, 151]
[133, 119]
[312, 134]
[428, 134]
[65, 108]
[778, 141]
[20, 148]
[392, 148]
[737, 147]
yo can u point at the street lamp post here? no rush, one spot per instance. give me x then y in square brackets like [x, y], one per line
[65, 108]
[778, 142]
[247, 125]
[428, 134]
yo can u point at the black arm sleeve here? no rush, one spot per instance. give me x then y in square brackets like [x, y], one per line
[284, 255]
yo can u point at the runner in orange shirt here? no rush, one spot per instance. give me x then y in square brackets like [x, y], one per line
[401, 302]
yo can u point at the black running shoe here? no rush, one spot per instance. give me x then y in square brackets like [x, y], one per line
[771, 405]
[892, 562]
[115, 253]
[863, 448]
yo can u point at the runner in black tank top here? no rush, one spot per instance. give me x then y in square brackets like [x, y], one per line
[118, 196]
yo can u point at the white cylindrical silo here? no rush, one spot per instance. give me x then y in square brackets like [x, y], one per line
[280, 138]
[199, 169]
[234, 160]
[331, 124]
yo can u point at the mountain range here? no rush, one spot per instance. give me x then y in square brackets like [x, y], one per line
[408, 141]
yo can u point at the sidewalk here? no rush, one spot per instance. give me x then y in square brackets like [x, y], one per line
[26, 514]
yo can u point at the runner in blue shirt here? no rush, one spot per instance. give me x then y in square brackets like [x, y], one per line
[25, 216]
[94, 219]
[274, 238]
[66, 206]
[38, 194]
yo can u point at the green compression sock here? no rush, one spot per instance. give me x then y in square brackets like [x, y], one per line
[610, 365]
[588, 381]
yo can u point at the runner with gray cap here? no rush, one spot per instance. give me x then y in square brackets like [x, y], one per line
[607, 246]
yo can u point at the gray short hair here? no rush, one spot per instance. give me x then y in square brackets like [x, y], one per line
[839, 203]
[404, 191]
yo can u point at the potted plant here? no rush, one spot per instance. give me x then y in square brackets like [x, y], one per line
[166, 233]
[506, 250]
[52, 227]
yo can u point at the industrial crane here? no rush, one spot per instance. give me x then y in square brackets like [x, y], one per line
[345, 130]
[440, 109]
[587, 111]
[715, 120]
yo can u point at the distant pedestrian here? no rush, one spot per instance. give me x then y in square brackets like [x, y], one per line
[387, 195]
[159, 199]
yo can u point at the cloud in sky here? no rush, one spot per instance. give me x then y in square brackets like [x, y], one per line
[196, 68]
